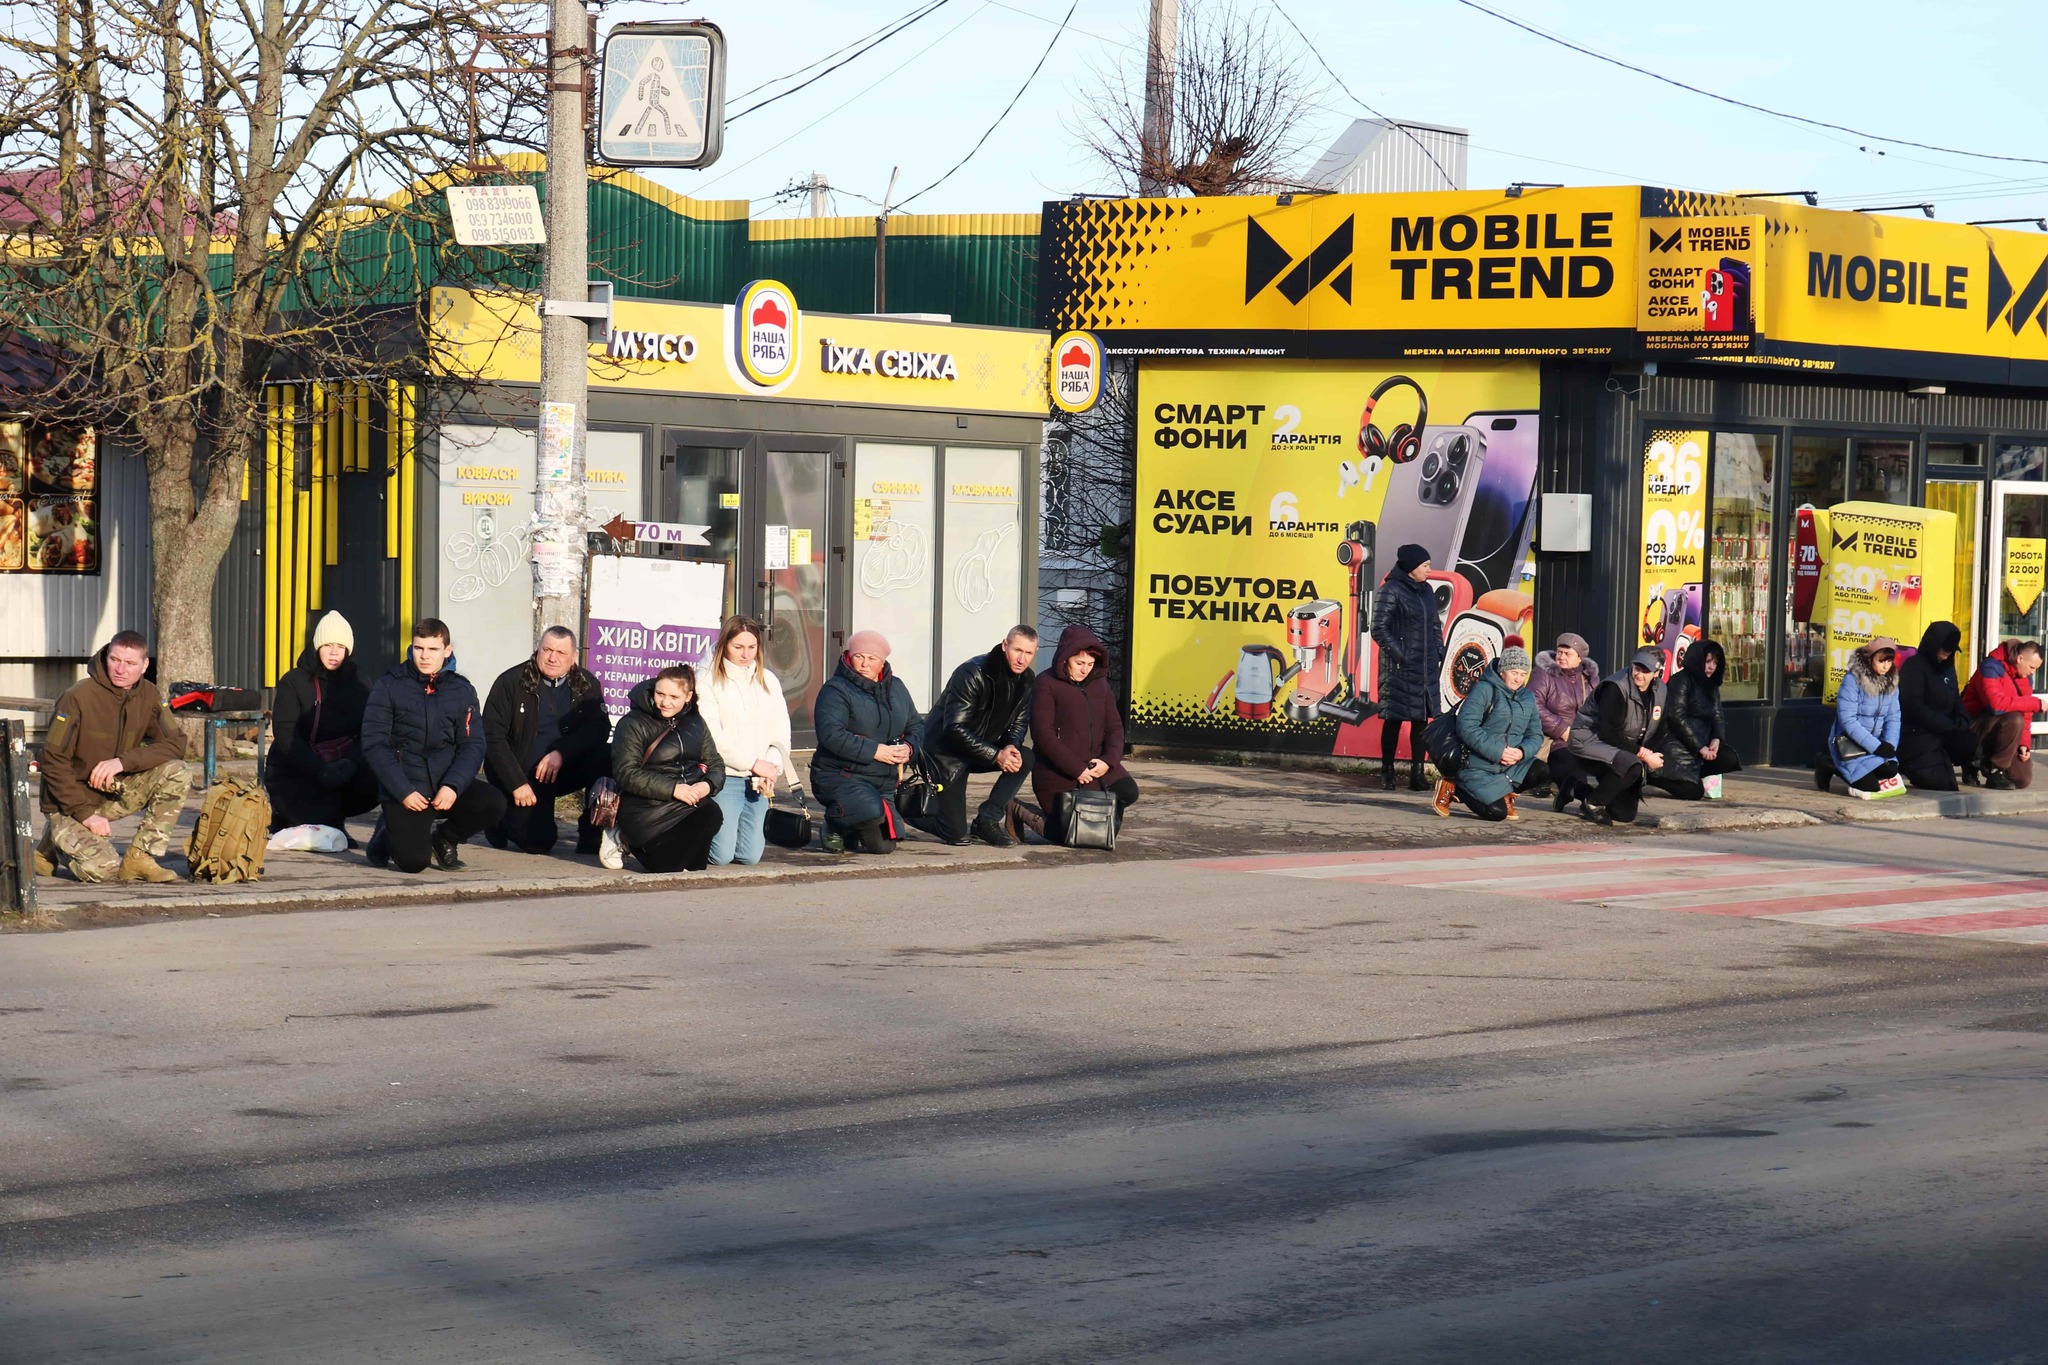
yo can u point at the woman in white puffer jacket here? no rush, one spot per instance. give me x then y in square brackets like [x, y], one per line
[742, 704]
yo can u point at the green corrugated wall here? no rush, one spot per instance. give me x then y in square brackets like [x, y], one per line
[656, 244]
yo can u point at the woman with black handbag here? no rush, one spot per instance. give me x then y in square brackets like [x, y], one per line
[1863, 743]
[668, 771]
[1078, 736]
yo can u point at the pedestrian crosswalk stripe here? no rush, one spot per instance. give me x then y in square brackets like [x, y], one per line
[1885, 897]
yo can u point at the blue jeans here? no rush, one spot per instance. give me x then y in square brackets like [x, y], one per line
[739, 838]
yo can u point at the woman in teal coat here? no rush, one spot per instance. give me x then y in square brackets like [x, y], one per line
[1501, 730]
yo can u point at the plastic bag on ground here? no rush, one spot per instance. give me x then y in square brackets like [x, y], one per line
[308, 838]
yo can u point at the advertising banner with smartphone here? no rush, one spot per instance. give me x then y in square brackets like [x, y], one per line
[1674, 569]
[1700, 284]
[1270, 501]
[1889, 571]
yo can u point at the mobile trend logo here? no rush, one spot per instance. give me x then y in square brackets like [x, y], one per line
[1266, 261]
[2027, 301]
[1660, 242]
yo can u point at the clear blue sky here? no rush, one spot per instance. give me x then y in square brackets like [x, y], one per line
[1964, 74]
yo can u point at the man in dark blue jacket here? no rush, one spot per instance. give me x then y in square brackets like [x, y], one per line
[979, 727]
[424, 738]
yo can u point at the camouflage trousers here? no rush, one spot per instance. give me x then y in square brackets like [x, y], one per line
[159, 794]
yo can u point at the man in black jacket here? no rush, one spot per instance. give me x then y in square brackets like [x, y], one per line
[978, 727]
[546, 734]
[424, 740]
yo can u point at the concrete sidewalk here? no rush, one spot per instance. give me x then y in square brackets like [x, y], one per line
[1188, 810]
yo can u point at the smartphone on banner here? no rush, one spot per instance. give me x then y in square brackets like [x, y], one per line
[1430, 497]
[1497, 531]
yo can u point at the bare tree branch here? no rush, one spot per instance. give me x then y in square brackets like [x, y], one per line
[1242, 101]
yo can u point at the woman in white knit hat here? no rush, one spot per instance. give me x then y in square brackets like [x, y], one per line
[315, 772]
[742, 703]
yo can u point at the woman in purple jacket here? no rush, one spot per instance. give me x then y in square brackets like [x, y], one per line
[1565, 677]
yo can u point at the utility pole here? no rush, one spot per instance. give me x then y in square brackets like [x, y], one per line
[820, 195]
[1161, 52]
[559, 536]
[882, 244]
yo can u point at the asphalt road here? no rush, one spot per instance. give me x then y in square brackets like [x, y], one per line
[1138, 1111]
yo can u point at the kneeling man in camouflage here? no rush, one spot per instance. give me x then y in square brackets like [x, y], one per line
[112, 750]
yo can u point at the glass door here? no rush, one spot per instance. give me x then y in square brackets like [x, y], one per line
[704, 490]
[793, 587]
[1965, 498]
[2019, 515]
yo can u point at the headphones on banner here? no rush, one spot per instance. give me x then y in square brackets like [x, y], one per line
[1405, 443]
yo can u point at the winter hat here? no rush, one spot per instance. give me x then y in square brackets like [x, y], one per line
[869, 642]
[1574, 642]
[1877, 645]
[1409, 558]
[1513, 642]
[1514, 656]
[334, 629]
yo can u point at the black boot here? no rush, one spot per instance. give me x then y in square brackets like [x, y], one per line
[872, 838]
[1387, 780]
[1416, 781]
[378, 851]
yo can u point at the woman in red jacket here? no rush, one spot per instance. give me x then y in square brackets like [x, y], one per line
[1074, 725]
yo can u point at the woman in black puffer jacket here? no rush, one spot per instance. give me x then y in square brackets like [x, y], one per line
[1411, 654]
[1695, 748]
[668, 770]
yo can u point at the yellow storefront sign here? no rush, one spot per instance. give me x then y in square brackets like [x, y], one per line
[1424, 270]
[1592, 272]
[686, 348]
[2026, 557]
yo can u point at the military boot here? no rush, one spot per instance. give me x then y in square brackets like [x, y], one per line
[138, 866]
[46, 855]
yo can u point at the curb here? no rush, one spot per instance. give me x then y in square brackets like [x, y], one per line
[85, 914]
[1752, 817]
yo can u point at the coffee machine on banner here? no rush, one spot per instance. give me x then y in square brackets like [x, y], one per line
[1315, 632]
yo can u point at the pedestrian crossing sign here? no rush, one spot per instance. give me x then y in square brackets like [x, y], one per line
[662, 95]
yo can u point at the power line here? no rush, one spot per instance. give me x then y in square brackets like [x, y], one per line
[1042, 57]
[792, 75]
[1739, 104]
[900, 25]
[730, 171]
[1313, 51]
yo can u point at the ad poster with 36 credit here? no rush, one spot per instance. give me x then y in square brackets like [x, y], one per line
[1271, 500]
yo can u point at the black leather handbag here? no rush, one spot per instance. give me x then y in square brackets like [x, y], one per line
[918, 784]
[1086, 818]
[786, 828]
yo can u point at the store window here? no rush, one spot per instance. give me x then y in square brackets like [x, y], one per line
[2020, 460]
[707, 492]
[1818, 473]
[1881, 471]
[1739, 563]
[894, 517]
[982, 592]
[1969, 453]
[1965, 499]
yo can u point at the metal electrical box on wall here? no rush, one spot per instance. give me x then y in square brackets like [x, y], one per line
[1566, 524]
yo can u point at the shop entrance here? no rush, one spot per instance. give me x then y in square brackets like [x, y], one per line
[2019, 513]
[766, 500]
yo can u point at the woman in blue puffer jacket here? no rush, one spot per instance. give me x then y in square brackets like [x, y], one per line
[1863, 743]
[1501, 729]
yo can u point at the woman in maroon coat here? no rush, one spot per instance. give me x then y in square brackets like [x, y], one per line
[1075, 729]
